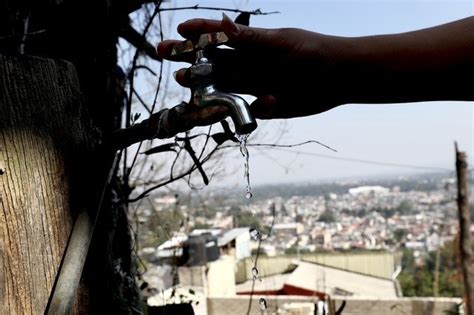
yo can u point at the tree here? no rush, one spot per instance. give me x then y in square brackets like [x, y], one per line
[85, 35]
[283, 211]
[327, 216]
[246, 219]
[405, 207]
[417, 280]
[400, 234]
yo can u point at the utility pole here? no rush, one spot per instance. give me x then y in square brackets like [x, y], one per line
[464, 226]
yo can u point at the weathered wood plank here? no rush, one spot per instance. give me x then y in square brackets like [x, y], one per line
[43, 134]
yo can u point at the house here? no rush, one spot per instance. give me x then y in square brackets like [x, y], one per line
[235, 242]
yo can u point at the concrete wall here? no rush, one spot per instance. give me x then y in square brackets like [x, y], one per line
[221, 277]
[354, 306]
[192, 276]
[242, 246]
[217, 278]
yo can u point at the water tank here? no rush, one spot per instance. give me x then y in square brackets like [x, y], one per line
[212, 250]
[194, 250]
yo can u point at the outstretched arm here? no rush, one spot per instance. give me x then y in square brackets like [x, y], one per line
[430, 64]
[294, 72]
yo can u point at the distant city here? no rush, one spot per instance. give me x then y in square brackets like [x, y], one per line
[405, 218]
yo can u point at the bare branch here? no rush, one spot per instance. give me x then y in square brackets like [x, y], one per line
[159, 80]
[197, 163]
[177, 138]
[128, 107]
[146, 68]
[136, 4]
[141, 101]
[174, 163]
[139, 41]
[167, 147]
[182, 175]
[276, 145]
[198, 7]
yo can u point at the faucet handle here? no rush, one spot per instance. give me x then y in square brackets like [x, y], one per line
[204, 41]
[202, 68]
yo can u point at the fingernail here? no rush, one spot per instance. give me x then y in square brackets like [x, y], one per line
[229, 26]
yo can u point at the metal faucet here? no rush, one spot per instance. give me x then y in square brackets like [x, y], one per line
[204, 92]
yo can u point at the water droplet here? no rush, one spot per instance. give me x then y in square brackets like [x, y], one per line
[255, 273]
[263, 304]
[245, 153]
[254, 234]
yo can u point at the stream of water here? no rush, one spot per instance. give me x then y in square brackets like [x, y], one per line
[254, 233]
[245, 153]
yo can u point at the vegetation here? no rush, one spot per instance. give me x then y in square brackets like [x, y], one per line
[293, 250]
[159, 227]
[418, 279]
[246, 219]
[327, 216]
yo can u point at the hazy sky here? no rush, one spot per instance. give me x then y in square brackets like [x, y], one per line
[418, 134]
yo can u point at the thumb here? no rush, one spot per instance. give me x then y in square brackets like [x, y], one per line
[264, 107]
[245, 35]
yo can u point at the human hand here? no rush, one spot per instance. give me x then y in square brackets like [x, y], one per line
[290, 71]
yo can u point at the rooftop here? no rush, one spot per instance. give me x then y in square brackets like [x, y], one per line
[334, 281]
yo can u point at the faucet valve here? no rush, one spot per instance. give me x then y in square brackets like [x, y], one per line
[204, 92]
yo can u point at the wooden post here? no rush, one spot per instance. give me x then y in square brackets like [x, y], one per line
[465, 225]
[437, 263]
[44, 136]
[436, 272]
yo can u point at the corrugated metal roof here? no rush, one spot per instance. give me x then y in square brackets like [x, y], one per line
[213, 232]
[271, 283]
[380, 264]
[315, 277]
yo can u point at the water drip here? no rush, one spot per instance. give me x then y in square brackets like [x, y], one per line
[263, 304]
[255, 273]
[255, 234]
[245, 153]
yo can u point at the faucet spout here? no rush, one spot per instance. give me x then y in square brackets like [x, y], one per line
[208, 95]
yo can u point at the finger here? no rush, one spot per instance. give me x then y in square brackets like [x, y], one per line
[232, 72]
[182, 76]
[164, 51]
[191, 29]
[165, 47]
[232, 85]
[233, 81]
[264, 107]
[246, 36]
[239, 35]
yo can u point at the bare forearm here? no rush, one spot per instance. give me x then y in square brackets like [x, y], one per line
[295, 72]
[430, 64]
